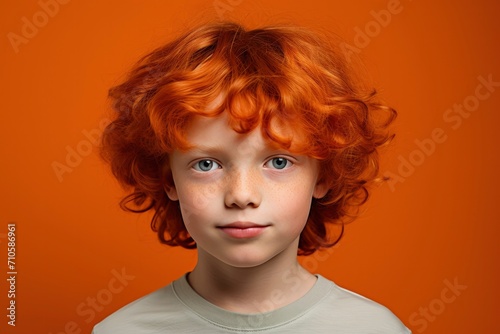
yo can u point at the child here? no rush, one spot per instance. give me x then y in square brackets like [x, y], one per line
[247, 145]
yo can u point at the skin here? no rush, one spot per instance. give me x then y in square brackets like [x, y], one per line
[229, 177]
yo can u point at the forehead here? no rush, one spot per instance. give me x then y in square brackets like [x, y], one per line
[202, 128]
[218, 131]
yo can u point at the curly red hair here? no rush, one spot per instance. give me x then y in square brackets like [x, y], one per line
[269, 77]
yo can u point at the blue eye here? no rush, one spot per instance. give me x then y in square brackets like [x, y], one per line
[279, 163]
[206, 165]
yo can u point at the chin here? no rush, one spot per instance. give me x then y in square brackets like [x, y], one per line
[248, 259]
[248, 262]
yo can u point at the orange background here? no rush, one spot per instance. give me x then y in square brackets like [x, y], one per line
[437, 226]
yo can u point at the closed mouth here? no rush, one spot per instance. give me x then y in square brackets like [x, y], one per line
[243, 230]
[241, 225]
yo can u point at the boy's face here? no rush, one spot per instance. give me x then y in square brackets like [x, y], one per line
[243, 201]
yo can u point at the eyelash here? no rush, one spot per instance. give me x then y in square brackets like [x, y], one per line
[216, 165]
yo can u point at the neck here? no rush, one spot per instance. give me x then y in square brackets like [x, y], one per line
[271, 285]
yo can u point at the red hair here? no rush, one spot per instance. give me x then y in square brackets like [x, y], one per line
[272, 77]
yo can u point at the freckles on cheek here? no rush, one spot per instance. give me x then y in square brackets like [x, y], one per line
[198, 196]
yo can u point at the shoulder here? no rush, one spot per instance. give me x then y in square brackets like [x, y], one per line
[144, 315]
[357, 313]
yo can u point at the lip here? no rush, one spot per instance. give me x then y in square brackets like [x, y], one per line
[243, 230]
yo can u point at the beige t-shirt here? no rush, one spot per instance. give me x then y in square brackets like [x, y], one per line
[326, 308]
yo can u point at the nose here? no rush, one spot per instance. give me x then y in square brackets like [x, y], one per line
[243, 190]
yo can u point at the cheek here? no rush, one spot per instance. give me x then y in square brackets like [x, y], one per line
[191, 195]
[293, 205]
[196, 202]
[299, 208]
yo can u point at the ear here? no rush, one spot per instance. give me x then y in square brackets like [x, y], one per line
[320, 190]
[171, 193]
[168, 182]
